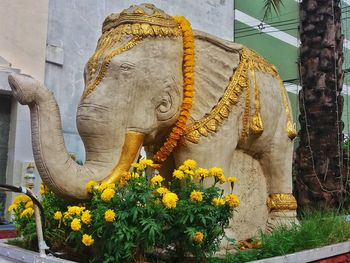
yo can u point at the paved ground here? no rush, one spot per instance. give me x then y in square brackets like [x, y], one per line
[7, 260]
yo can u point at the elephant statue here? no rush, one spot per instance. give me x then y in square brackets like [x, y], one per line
[138, 93]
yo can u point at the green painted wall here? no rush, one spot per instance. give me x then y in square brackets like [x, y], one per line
[286, 20]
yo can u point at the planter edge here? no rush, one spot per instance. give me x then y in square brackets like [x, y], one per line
[310, 255]
[27, 256]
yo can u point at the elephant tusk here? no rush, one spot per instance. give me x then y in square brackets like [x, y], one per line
[132, 144]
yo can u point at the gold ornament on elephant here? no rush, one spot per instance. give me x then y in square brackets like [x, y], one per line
[250, 63]
[281, 202]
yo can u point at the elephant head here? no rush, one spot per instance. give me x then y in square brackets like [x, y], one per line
[133, 97]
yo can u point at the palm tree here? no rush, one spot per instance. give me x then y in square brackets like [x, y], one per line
[320, 169]
[319, 163]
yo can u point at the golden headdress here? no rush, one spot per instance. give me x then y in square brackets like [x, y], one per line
[144, 15]
[121, 32]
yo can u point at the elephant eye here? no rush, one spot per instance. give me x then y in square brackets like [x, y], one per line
[126, 66]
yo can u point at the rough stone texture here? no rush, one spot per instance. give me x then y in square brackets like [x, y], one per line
[74, 26]
[252, 190]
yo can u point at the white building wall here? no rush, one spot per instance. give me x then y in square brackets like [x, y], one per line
[23, 31]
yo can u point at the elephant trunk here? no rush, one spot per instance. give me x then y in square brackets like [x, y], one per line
[56, 167]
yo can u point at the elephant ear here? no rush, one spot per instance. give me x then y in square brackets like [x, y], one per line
[216, 60]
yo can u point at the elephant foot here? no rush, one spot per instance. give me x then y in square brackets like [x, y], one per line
[286, 218]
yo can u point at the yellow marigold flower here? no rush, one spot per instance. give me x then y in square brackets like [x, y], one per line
[57, 215]
[29, 204]
[21, 198]
[221, 179]
[27, 212]
[201, 173]
[198, 237]
[75, 210]
[178, 174]
[124, 178]
[231, 179]
[86, 217]
[232, 200]
[43, 189]
[189, 173]
[135, 165]
[162, 190]
[218, 201]
[191, 164]
[12, 207]
[146, 162]
[169, 200]
[139, 167]
[66, 215]
[107, 194]
[157, 179]
[111, 186]
[102, 187]
[25, 198]
[109, 215]
[90, 185]
[183, 168]
[87, 240]
[196, 196]
[17, 200]
[216, 172]
[135, 175]
[75, 225]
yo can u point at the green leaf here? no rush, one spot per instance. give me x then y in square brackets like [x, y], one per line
[270, 5]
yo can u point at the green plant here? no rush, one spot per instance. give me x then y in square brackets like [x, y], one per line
[182, 219]
[316, 229]
[141, 216]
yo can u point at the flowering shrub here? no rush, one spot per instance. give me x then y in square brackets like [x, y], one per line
[142, 215]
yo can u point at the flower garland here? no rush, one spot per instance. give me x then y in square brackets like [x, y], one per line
[188, 70]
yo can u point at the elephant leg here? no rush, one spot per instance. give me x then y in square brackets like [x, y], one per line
[277, 166]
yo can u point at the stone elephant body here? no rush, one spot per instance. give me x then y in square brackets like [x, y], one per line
[262, 163]
[134, 95]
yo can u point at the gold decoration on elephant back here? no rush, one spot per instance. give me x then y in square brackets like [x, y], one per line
[282, 202]
[240, 84]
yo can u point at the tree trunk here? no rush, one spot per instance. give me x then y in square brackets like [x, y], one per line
[320, 171]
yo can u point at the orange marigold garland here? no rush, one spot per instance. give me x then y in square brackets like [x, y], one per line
[188, 71]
